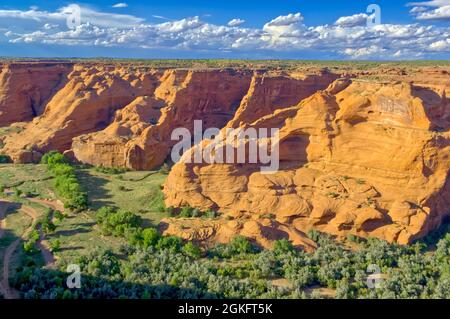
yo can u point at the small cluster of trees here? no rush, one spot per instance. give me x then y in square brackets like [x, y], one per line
[110, 170]
[122, 223]
[189, 212]
[5, 159]
[46, 225]
[66, 183]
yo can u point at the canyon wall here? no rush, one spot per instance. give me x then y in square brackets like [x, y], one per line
[364, 152]
[25, 89]
[362, 158]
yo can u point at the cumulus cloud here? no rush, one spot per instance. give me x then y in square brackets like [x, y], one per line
[120, 5]
[431, 10]
[359, 19]
[235, 22]
[348, 37]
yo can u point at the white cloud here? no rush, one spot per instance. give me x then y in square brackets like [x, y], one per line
[434, 3]
[359, 19]
[235, 22]
[442, 13]
[422, 10]
[441, 45]
[283, 30]
[364, 52]
[348, 37]
[120, 5]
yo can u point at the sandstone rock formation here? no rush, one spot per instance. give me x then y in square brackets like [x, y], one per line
[85, 104]
[366, 158]
[364, 152]
[25, 88]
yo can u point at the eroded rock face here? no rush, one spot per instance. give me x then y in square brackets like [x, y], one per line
[25, 88]
[370, 159]
[85, 104]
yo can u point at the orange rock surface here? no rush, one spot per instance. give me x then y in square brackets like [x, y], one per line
[363, 158]
[26, 87]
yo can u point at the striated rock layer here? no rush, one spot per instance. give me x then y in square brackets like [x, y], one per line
[122, 116]
[365, 158]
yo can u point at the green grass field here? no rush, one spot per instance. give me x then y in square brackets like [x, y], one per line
[138, 192]
[132, 191]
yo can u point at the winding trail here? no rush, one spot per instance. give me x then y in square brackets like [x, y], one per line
[3, 207]
[49, 260]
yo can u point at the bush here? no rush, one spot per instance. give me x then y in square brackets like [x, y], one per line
[211, 214]
[53, 158]
[171, 243]
[192, 250]
[241, 245]
[55, 245]
[5, 159]
[150, 237]
[116, 222]
[189, 212]
[111, 170]
[282, 246]
[66, 183]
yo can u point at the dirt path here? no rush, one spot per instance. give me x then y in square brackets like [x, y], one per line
[56, 205]
[7, 291]
[3, 206]
[42, 244]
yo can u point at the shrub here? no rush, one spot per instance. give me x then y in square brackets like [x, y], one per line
[55, 245]
[116, 222]
[241, 245]
[282, 246]
[211, 214]
[150, 237]
[5, 159]
[186, 212]
[111, 170]
[53, 158]
[171, 243]
[192, 250]
[66, 183]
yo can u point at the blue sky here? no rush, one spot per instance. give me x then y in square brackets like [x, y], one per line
[299, 29]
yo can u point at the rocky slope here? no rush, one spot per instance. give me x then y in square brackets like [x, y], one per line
[364, 152]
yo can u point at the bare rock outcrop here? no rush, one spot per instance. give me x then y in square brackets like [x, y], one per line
[85, 104]
[366, 158]
[213, 96]
[25, 88]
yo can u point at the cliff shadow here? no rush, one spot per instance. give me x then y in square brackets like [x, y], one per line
[435, 107]
[95, 187]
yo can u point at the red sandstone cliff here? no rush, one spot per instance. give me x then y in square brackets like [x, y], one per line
[368, 154]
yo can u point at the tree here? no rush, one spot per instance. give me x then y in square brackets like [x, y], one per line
[150, 237]
[171, 243]
[241, 245]
[192, 250]
[282, 246]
